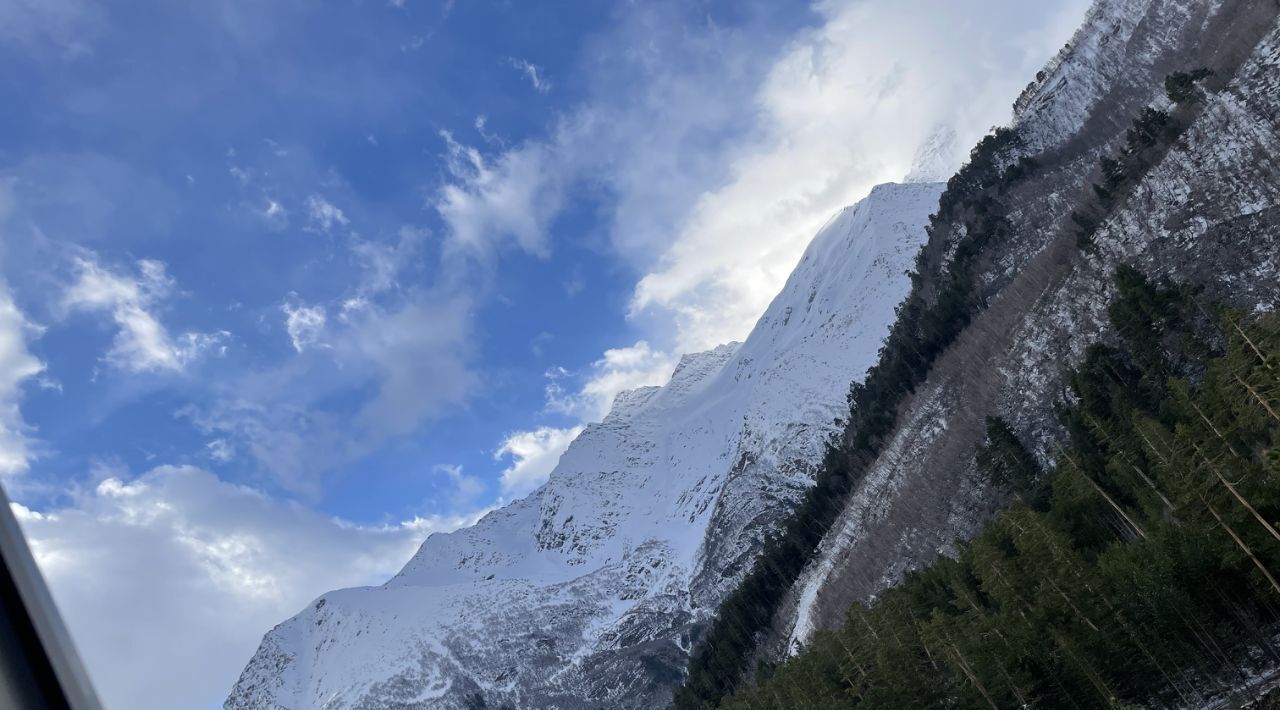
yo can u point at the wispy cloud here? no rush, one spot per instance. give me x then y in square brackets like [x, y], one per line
[142, 342]
[221, 450]
[324, 215]
[465, 489]
[537, 78]
[481, 124]
[304, 324]
[401, 364]
[274, 214]
[294, 445]
[381, 262]
[532, 456]
[17, 365]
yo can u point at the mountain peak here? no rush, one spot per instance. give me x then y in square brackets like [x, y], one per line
[937, 158]
[583, 590]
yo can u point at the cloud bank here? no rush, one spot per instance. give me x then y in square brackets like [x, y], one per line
[167, 581]
[17, 365]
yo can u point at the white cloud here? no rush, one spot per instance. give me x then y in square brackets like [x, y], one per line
[723, 161]
[304, 324]
[532, 72]
[275, 215]
[17, 365]
[383, 262]
[844, 107]
[220, 450]
[415, 42]
[324, 214]
[513, 197]
[353, 306]
[168, 581]
[466, 489]
[481, 125]
[142, 343]
[533, 455]
[620, 369]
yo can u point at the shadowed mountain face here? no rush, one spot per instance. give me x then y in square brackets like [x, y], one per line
[585, 592]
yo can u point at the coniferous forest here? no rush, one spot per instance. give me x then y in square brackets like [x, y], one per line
[1143, 567]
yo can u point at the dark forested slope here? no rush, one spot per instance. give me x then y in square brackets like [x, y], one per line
[1142, 567]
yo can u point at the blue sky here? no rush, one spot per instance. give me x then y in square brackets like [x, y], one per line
[286, 286]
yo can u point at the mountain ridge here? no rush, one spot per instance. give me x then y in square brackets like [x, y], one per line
[589, 589]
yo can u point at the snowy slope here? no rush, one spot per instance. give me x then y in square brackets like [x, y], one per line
[583, 593]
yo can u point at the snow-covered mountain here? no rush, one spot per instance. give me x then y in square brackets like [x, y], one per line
[585, 592]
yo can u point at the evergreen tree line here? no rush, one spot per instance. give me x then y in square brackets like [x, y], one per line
[1143, 569]
[923, 329]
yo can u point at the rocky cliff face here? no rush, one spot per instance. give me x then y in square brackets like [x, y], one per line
[1206, 212]
[584, 593]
